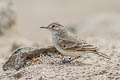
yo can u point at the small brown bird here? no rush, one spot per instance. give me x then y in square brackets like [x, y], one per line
[70, 45]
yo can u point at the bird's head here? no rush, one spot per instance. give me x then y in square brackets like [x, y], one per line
[54, 27]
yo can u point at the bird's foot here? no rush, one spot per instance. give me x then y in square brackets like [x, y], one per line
[68, 60]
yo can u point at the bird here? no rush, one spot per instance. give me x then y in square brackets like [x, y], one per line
[70, 45]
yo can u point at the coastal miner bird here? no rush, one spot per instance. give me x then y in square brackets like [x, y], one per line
[70, 45]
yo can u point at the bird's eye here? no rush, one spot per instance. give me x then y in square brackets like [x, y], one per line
[53, 26]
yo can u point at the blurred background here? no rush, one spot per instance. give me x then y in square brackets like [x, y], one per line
[31, 14]
[20, 21]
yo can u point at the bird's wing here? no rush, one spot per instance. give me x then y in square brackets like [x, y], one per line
[76, 45]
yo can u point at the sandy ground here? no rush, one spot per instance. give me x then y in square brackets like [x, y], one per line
[100, 68]
[98, 23]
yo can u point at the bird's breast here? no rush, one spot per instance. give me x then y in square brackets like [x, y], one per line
[54, 39]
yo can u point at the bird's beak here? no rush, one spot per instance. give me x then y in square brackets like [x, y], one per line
[44, 27]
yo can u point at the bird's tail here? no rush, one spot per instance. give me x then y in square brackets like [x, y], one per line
[103, 55]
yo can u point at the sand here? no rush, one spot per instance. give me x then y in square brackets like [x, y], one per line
[98, 25]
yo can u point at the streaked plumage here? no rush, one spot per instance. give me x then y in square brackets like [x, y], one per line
[68, 44]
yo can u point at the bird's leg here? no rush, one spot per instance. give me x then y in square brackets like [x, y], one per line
[70, 60]
[75, 58]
